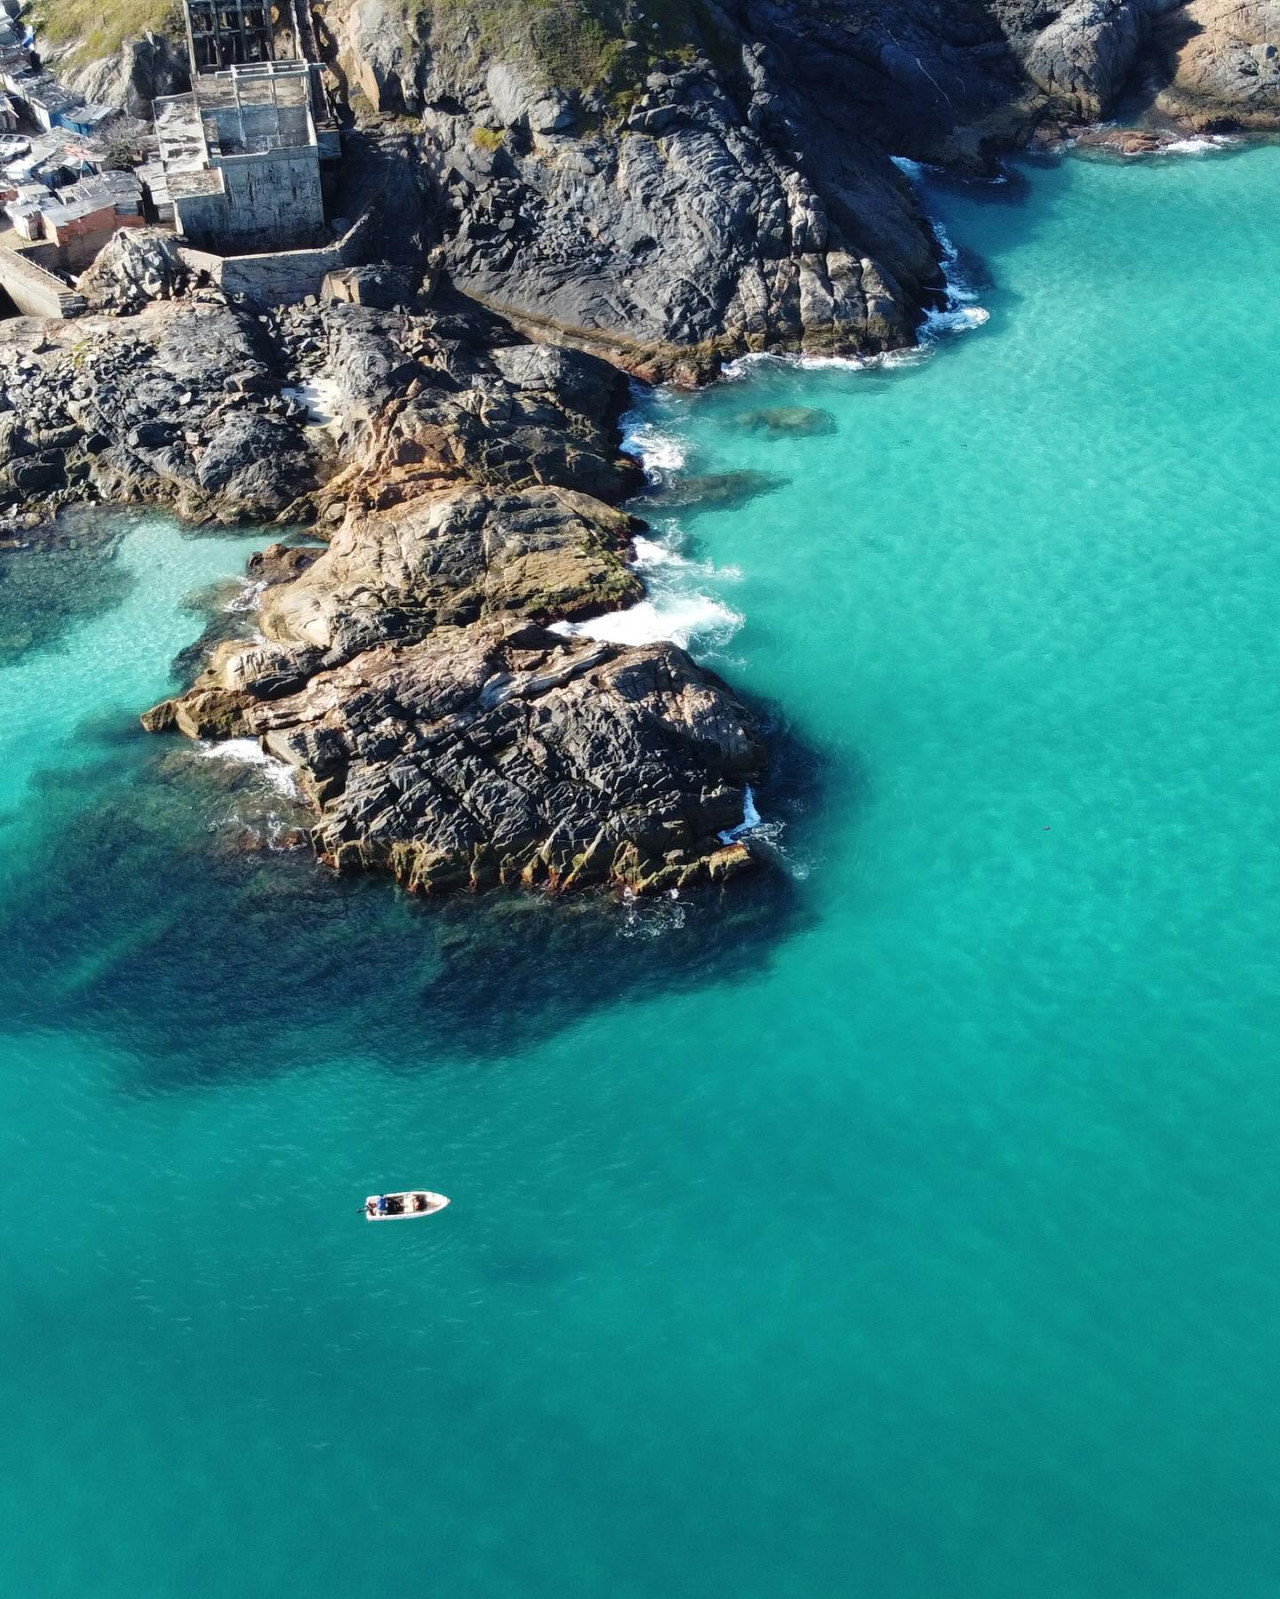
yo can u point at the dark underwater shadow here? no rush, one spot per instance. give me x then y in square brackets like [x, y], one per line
[690, 493]
[148, 910]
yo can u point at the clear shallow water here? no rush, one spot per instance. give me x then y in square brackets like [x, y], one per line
[906, 1229]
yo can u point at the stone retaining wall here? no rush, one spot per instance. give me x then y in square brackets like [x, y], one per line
[283, 277]
[35, 291]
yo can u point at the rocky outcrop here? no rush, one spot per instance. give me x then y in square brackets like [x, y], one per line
[685, 237]
[1081, 55]
[422, 397]
[447, 735]
[411, 670]
[177, 407]
[453, 556]
[142, 71]
[194, 403]
[425, 674]
[135, 267]
[1218, 65]
[736, 192]
[481, 757]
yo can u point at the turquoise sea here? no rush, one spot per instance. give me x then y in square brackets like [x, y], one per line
[905, 1224]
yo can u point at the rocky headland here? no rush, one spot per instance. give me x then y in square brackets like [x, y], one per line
[584, 193]
[408, 671]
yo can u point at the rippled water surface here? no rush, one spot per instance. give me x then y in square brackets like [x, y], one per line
[904, 1225]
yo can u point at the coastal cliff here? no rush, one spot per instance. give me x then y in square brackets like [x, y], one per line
[582, 191]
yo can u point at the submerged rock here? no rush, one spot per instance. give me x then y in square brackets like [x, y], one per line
[800, 421]
[713, 491]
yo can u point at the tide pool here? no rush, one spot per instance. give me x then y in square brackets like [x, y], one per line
[903, 1224]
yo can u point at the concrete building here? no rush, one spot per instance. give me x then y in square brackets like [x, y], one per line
[241, 157]
[228, 33]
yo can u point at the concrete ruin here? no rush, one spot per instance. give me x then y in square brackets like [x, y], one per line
[242, 156]
[227, 33]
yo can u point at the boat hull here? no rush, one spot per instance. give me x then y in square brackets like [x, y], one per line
[408, 1206]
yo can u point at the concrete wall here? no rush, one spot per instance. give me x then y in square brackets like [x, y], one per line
[274, 199]
[283, 277]
[34, 291]
[269, 201]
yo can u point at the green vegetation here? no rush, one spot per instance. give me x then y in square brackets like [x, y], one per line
[487, 138]
[99, 27]
[587, 45]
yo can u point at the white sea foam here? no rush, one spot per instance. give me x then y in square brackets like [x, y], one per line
[678, 618]
[653, 552]
[248, 599]
[917, 171]
[962, 313]
[656, 450]
[960, 319]
[248, 752]
[320, 396]
[818, 363]
[651, 918]
[737, 370]
[1200, 144]
[751, 819]
[676, 609]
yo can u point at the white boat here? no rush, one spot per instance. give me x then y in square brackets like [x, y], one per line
[403, 1207]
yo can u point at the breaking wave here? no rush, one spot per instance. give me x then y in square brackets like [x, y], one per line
[657, 451]
[248, 599]
[1201, 144]
[248, 752]
[962, 311]
[681, 619]
[750, 818]
[676, 610]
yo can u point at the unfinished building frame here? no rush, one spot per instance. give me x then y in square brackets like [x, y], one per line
[242, 157]
[228, 33]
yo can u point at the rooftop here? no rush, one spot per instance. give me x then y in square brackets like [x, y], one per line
[246, 110]
[95, 193]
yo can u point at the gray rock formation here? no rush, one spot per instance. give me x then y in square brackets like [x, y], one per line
[135, 267]
[1082, 55]
[178, 407]
[144, 70]
[685, 237]
[186, 405]
[1218, 64]
[738, 194]
[453, 556]
[445, 735]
